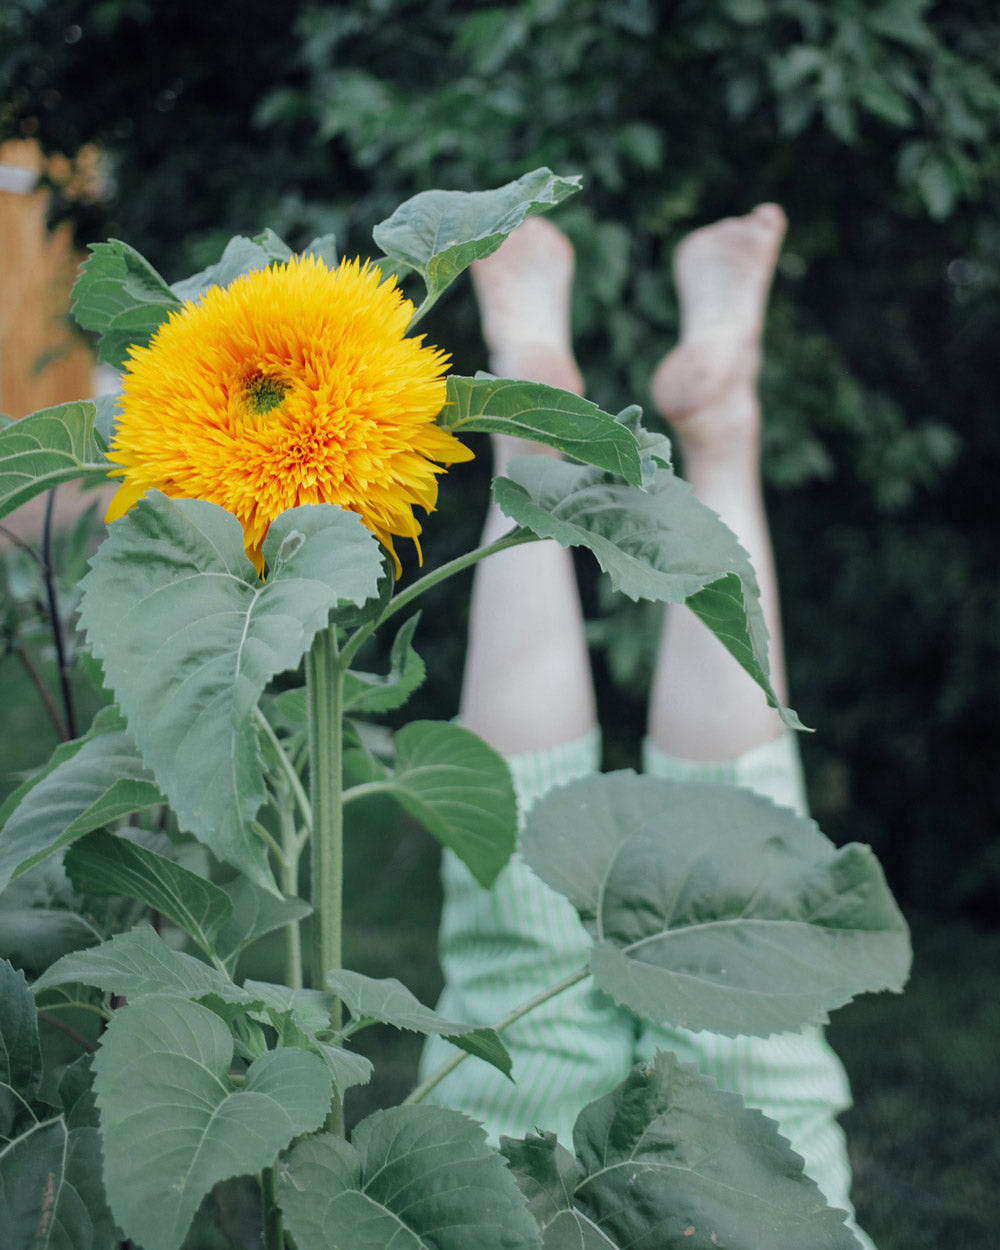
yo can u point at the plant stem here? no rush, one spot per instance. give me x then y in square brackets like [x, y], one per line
[434, 578]
[290, 885]
[43, 691]
[62, 660]
[273, 1230]
[324, 697]
[420, 1092]
[286, 765]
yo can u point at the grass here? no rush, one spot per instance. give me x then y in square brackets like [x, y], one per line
[923, 1131]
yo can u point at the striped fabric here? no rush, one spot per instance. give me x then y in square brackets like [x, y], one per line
[501, 946]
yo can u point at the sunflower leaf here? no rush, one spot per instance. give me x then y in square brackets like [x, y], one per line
[172, 1123]
[86, 784]
[546, 414]
[189, 637]
[20, 1053]
[139, 963]
[121, 296]
[241, 256]
[660, 543]
[51, 1193]
[460, 790]
[388, 1001]
[48, 447]
[254, 913]
[440, 233]
[299, 1017]
[667, 1160]
[412, 1177]
[103, 863]
[713, 908]
[371, 692]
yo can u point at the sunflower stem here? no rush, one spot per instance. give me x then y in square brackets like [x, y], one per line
[324, 695]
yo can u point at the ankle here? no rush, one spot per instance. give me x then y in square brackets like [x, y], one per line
[533, 361]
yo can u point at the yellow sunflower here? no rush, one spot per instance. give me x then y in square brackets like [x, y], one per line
[294, 385]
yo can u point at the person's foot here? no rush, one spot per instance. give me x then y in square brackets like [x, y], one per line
[523, 291]
[705, 387]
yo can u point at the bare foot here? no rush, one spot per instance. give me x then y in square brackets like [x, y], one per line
[705, 387]
[523, 291]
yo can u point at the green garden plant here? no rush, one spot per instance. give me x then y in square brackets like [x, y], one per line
[228, 615]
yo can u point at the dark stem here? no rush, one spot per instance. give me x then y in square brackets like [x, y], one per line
[44, 693]
[55, 620]
[68, 1030]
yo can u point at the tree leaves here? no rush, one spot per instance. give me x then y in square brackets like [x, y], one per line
[48, 447]
[189, 638]
[661, 544]
[440, 233]
[412, 1177]
[545, 414]
[714, 909]
[668, 1162]
[173, 1123]
[388, 1001]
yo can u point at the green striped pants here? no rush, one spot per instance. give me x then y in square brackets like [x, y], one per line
[503, 945]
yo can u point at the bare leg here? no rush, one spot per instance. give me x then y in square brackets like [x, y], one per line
[703, 705]
[527, 682]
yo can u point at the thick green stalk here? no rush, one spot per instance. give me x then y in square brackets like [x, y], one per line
[324, 694]
[290, 885]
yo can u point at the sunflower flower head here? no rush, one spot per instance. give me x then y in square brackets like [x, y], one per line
[296, 384]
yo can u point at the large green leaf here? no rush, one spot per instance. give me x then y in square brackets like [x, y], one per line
[51, 446]
[414, 1178]
[121, 296]
[189, 637]
[139, 963]
[460, 790]
[104, 863]
[388, 1001]
[440, 233]
[88, 783]
[668, 1162]
[711, 907]
[545, 414]
[20, 1053]
[172, 1122]
[661, 544]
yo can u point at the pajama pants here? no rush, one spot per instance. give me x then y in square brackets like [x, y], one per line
[503, 945]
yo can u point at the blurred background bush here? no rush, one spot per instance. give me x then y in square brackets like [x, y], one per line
[876, 126]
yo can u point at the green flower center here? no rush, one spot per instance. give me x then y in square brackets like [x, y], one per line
[263, 394]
